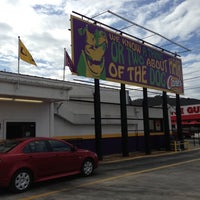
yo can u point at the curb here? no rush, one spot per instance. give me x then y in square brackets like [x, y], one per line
[119, 158]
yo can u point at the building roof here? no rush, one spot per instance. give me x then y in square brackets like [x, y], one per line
[15, 86]
[157, 101]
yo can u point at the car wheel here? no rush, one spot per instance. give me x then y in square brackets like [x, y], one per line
[87, 167]
[21, 181]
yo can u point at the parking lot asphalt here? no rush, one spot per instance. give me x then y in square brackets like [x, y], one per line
[160, 176]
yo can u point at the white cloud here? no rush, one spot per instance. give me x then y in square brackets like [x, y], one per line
[179, 22]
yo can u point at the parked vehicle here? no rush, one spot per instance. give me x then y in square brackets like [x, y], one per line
[24, 161]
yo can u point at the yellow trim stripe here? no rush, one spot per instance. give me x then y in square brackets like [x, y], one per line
[111, 135]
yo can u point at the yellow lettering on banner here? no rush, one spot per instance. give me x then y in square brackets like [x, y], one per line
[175, 67]
[112, 70]
[116, 71]
[157, 64]
[132, 45]
[137, 74]
[120, 71]
[114, 37]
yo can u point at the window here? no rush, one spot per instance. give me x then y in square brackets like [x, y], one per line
[58, 146]
[6, 146]
[20, 129]
[156, 125]
[36, 147]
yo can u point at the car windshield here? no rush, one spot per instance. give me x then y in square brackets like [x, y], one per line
[7, 145]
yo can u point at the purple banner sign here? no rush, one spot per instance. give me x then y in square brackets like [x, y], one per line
[100, 53]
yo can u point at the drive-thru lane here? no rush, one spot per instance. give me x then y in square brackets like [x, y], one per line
[167, 176]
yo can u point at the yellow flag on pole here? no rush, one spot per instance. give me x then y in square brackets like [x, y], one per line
[25, 54]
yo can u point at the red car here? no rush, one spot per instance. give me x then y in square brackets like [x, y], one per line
[24, 161]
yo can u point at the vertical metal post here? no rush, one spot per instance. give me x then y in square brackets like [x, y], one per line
[166, 122]
[178, 120]
[97, 119]
[51, 119]
[124, 125]
[146, 122]
[18, 54]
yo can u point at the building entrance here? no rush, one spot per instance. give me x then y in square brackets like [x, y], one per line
[20, 129]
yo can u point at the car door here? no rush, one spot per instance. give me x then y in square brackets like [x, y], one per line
[42, 161]
[67, 159]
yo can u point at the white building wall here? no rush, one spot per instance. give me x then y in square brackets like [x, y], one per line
[86, 93]
[156, 112]
[25, 112]
[64, 128]
[67, 108]
[76, 118]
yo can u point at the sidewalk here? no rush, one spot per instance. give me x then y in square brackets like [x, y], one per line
[192, 145]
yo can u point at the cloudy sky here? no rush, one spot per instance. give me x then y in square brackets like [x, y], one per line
[43, 27]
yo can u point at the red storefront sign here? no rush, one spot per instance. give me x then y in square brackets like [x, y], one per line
[189, 114]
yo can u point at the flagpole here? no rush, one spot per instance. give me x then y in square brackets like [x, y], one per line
[64, 64]
[18, 54]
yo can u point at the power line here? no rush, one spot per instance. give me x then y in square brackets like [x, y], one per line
[191, 78]
[191, 72]
[191, 88]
